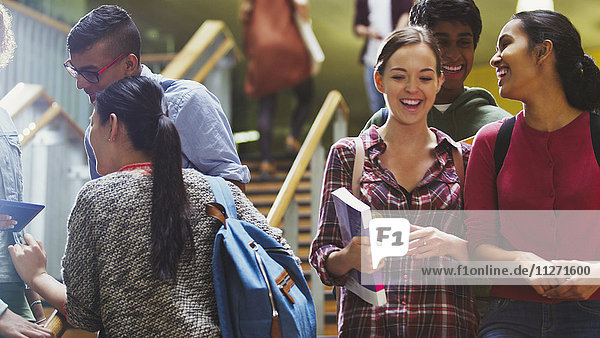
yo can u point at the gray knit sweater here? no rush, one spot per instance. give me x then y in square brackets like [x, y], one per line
[107, 270]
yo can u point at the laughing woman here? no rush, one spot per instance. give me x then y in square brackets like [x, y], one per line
[407, 166]
[549, 165]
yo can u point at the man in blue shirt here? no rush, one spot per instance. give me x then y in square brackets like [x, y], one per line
[14, 308]
[105, 46]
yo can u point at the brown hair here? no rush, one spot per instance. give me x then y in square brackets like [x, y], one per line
[405, 37]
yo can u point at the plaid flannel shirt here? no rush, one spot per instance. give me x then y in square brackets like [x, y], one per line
[411, 310]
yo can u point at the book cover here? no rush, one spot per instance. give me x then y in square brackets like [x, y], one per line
[354, 217]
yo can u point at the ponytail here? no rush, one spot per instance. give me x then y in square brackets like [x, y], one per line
[137, 102]
[590, 93]
[170, 225]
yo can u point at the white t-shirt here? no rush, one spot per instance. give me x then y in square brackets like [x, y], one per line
[442, 107]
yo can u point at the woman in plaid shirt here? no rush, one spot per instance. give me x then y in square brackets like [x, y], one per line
[408, 167]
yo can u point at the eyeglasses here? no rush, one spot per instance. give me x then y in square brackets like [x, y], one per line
[91, 77]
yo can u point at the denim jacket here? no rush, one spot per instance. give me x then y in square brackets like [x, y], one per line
[11, 188]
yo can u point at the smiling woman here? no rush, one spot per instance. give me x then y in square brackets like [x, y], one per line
[549, 164]
[407, 165]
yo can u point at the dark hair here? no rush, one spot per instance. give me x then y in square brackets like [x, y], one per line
[579, 75]
[137, 103]
[7, 38]
[428, 13]
[110, 23]
[403, 37]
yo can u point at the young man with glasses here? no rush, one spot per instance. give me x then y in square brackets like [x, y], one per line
[105, 47]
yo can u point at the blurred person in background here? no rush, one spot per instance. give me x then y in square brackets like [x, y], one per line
[373, 21]
[277, 60]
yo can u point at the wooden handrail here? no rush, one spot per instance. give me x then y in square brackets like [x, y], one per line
[196, 46]
[57, 323]
[332, 103]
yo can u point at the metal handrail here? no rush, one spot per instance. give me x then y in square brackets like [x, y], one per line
[332, 103]
[204, 37]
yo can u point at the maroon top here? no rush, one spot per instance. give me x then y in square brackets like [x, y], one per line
[542, 171]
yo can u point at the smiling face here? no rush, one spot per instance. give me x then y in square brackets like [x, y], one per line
[96, 58]
[515, 62]
[410, 83]
[455, 40]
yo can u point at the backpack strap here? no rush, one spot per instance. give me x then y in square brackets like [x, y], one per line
[459, 165]
[166, 84]
[503, 142]
[595, 131]
[223, 195]
[359, 162]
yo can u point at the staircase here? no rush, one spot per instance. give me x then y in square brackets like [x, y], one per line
[262, 191]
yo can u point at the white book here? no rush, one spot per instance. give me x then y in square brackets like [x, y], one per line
[354, 217]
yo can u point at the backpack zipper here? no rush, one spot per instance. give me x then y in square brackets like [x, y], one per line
[263, 271]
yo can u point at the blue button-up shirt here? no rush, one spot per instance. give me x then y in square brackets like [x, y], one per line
[206, 138]
[11, 188]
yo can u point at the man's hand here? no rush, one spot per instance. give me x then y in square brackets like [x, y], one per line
[6, 222]
[13, 325]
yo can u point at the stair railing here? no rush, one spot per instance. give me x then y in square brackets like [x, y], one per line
[312, 151]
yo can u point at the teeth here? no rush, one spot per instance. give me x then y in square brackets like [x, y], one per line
[411, 102]
[452, 68]
[502, 71]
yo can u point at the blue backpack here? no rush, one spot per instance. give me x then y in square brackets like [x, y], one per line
[261, 291]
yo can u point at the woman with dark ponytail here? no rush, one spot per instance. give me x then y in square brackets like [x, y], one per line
[544, 164]
[139, 253]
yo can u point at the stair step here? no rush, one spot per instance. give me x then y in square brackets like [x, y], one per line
[262, 191]
[272, 187]
[267, 199]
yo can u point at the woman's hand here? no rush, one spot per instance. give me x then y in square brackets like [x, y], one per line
[356, 255]
[29, 260]
[573, 288]
[539, 284]
[428, 242]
